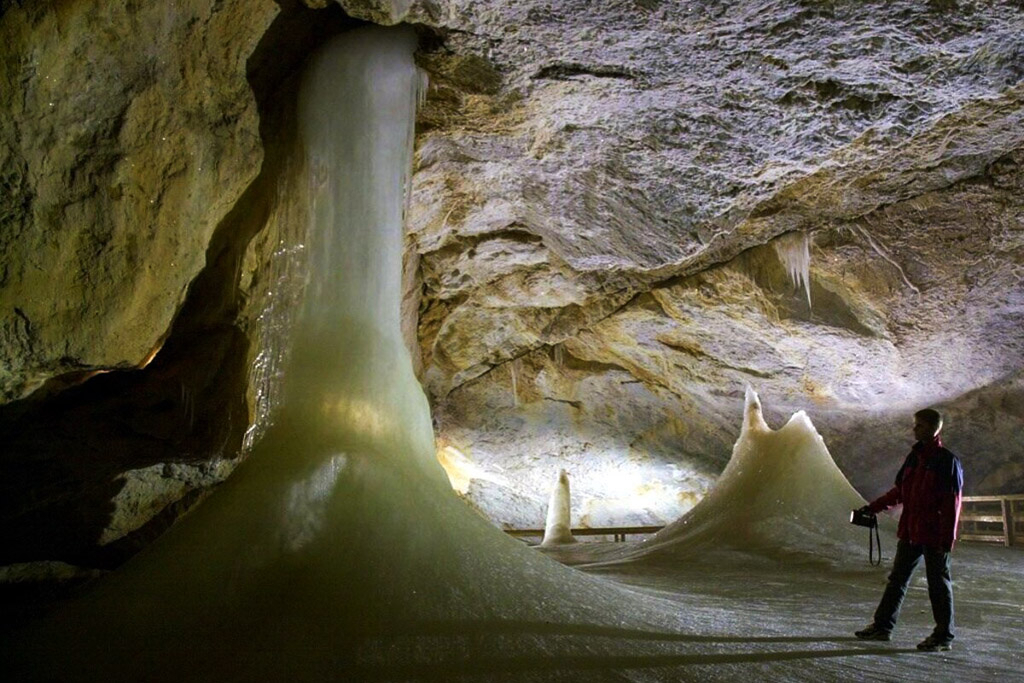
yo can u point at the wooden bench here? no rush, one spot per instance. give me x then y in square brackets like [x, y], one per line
[993, 519]
[618, 533]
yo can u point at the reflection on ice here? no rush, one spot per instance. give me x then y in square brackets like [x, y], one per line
[306, 504]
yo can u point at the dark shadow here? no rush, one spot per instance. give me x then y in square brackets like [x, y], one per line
[567, 662]
[544, 628]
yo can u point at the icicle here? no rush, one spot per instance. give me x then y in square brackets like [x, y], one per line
[513, 370]
[421, 82]
[794, 250]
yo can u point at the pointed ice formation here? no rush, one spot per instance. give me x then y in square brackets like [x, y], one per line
[558, 528]
[781, 493]
[794, 250]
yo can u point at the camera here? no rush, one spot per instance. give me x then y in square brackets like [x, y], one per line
[863, 517]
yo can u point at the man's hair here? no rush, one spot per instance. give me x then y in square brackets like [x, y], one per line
[931, 416]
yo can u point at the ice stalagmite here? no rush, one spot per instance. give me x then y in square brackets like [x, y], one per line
[781, 494]
[558, 528]
[794, 250]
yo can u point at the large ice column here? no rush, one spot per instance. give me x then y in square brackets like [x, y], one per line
[350, 367]
[340, 535]
[558, 528]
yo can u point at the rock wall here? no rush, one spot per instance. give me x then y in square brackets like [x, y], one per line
[596, 192]
[131, 134]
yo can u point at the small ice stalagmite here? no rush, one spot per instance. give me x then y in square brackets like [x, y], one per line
[558, 529]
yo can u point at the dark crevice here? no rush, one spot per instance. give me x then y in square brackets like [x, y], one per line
[578, 405]
[562, 71]
[468, 243]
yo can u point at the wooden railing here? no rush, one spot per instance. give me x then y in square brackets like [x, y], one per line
[993, 519]
[989, 519]
[618, 533]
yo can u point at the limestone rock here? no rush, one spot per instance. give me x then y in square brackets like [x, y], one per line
[595, 200]
[147, 491]
[132, 133]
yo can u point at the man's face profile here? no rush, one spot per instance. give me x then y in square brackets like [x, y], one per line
[924, 430]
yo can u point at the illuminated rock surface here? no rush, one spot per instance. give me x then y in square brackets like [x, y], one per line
[132, 135]
[599, 206]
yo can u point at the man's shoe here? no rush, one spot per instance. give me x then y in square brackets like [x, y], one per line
[872, 632]
[933, 644]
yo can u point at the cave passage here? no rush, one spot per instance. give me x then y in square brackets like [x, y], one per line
[338, 550]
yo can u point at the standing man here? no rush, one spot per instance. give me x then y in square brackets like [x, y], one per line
[929, 485]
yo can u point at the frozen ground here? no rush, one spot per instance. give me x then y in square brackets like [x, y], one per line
[738, 618]
[725, 616]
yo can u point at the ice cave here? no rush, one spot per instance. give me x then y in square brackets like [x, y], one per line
[436, 340]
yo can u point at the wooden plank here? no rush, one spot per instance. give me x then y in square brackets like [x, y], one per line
[984, 538]
[611, 530]
[614, 531]
[990, 499]
[995, 519]
[1007, 523]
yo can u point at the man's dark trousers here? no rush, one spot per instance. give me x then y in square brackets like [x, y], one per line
[940, 587]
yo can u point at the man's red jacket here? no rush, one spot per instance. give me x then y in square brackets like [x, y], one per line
[929, 485]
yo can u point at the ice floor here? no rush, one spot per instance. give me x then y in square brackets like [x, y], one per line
[726, 616]
[739, 618]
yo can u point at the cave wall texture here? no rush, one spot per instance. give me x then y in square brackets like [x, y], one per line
[591, 273]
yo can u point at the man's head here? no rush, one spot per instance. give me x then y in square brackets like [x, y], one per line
[927, 424]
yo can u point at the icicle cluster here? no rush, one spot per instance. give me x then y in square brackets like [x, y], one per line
[794, 250]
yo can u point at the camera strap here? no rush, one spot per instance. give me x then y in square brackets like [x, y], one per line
[872, 542]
